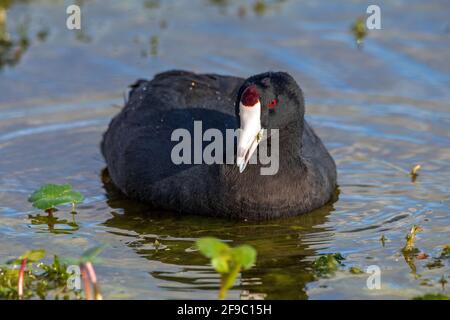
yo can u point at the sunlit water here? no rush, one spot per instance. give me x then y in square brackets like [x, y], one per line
[379, 110]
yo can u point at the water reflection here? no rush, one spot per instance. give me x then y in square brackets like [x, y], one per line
[52, 224]
[285, 247]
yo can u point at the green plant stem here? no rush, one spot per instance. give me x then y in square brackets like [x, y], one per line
[23, 265]
[228, 281]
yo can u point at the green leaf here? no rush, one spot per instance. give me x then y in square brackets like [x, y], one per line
[30, 255]
[90, 254]
[34, 255]
[244, 255]
[51, 195]
[212, 247]
[220, 264]
[226, 260]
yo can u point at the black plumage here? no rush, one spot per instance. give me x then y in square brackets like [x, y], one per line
[137, 148]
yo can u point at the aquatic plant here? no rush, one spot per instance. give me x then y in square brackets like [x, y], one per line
[383, 239]
[227, 261]
[28, 282]
[327, 264]
[445, 252]
[356, 270]
[154, 44]
[414, 172]
[51, 195]
[28, 258]
[359, 31]
[87, 270]
[259, 7]
[410, 239]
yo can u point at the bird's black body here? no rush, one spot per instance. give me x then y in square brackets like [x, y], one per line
[137, 147]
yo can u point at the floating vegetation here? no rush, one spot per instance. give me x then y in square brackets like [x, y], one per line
[359, 31]
[356, 270]
[156, 244]
[48, 279]
[152, 4]
[39, 282]
[433, 296]
[43, 34]
[28, 257]
[327, 264]
[435, 264]
[410, 239]
[414, 172]
[383, 239]
[445, 254]
[154, 44]
[220, 3]
[227, 261]
[88, 275]
[260, 7]
[51, 195]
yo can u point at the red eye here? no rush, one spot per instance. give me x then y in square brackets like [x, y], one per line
[272, 104]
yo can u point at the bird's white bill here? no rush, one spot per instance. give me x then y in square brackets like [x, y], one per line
[250, 133]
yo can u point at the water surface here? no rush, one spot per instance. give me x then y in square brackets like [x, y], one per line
[379, 110]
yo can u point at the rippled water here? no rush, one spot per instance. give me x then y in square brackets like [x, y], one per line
[380, 110]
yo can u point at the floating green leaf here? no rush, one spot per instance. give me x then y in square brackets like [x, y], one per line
[51, 195]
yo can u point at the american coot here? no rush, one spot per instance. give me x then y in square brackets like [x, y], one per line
[138, 146]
